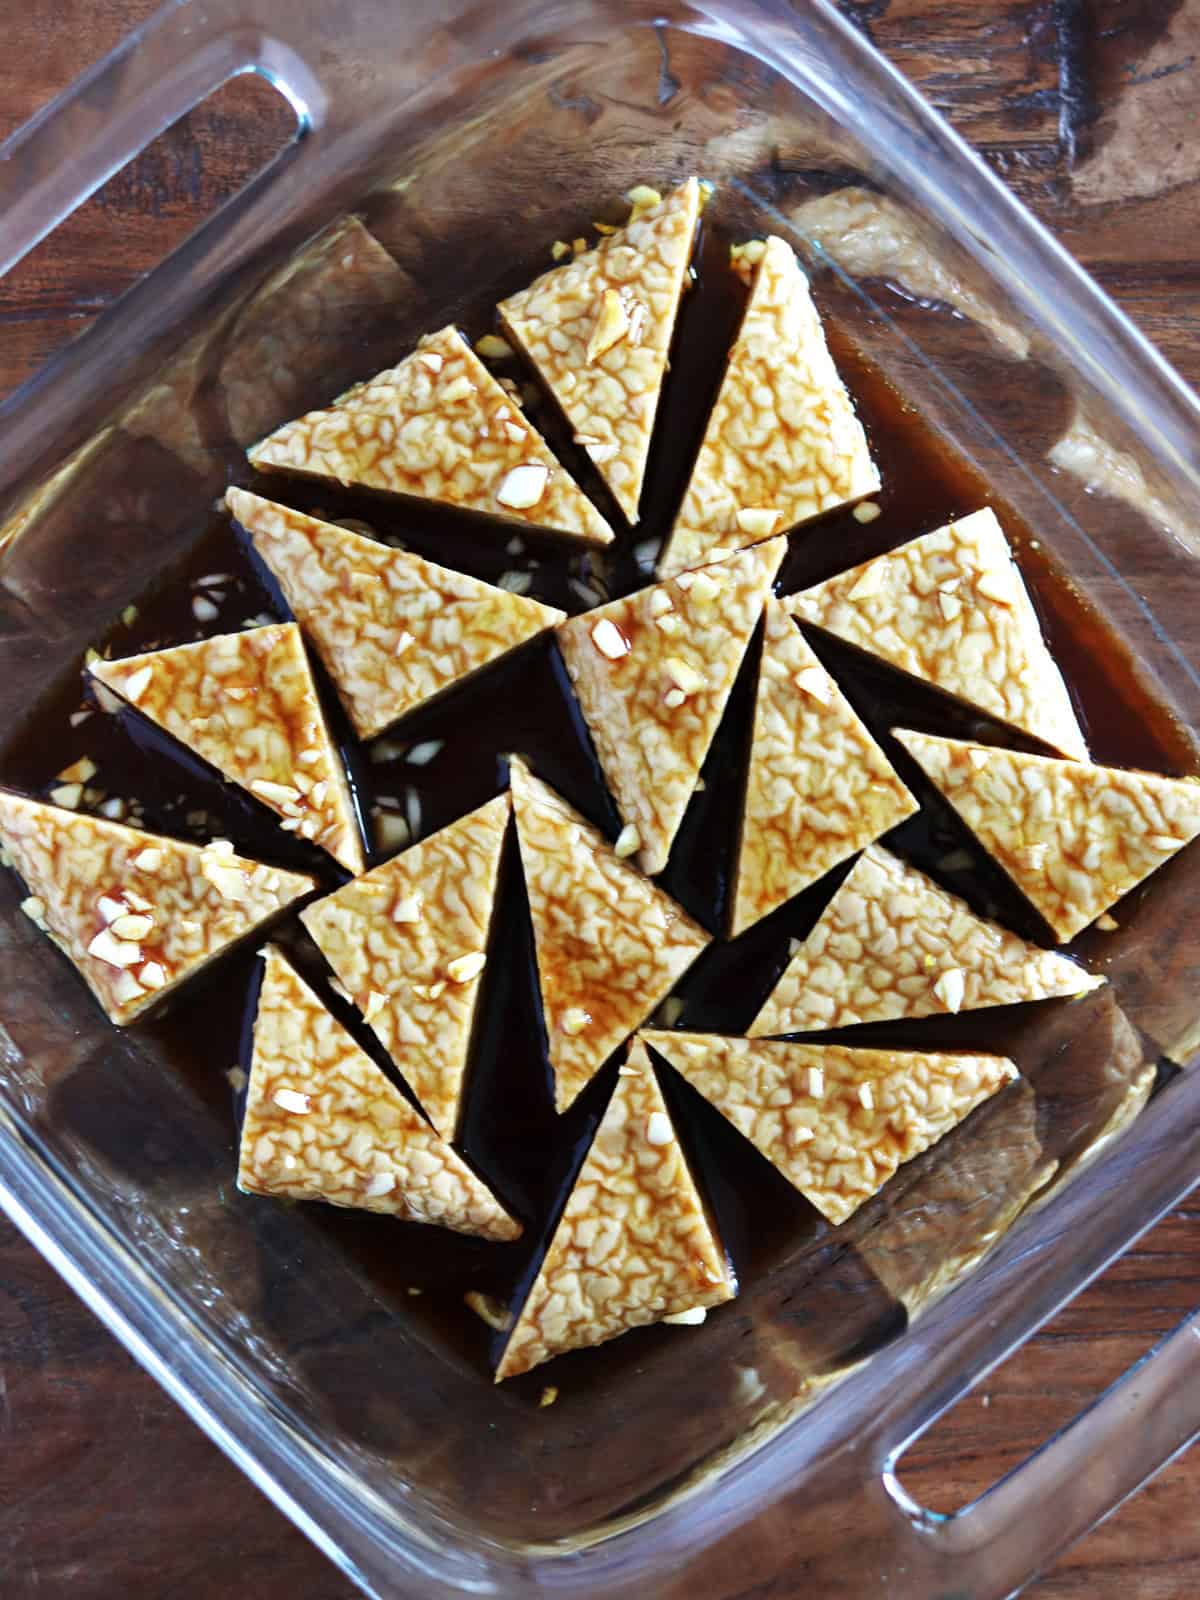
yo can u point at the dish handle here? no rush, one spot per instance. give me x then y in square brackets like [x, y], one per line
[1013, 1532]
[180, 55]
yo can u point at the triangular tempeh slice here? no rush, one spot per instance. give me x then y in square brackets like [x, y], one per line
[246, 703]
[818, 788]
[137, 913]
[652, 673]
[837, 1122]
[634, 1243]
[783, 443]
[408, 941]
[598, 329]
[891, 943]
[610, 944]
[951, 608]
[392, 630]
[437, 427]
[1073, 837]
[323, 1123]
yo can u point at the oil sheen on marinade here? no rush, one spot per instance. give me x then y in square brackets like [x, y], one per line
[511, 1131]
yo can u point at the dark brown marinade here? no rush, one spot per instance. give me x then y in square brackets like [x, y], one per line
[523, 704]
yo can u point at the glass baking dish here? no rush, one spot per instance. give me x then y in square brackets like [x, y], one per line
[761, 1450]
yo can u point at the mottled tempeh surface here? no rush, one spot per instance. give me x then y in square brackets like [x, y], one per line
[323, 1123]
[634, 1243]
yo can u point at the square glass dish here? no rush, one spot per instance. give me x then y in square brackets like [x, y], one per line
[757, 1451]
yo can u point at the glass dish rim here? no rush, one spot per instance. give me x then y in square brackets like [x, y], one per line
[157, 1329]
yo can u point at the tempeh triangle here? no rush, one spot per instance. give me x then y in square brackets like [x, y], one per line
[246, 703]
[392, 630]
[837, 1122]
[610, 944]
[437, 427]
[892, 943]
[137, 914]
[1073, 837]
[323, 1123]
[951, 608]
[652, 673]
[598, 329]
[818, 788]
[408, 941]
[634, 1243]
[783, 443]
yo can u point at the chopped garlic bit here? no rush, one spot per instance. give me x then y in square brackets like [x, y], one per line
[465, 967]
[609, 639]
[692, 1318]
[407, 908]
[112, 951]
[816, 1082]
[706, 588]
[493, 348]
[575, 1019]
[870, 582]
[524, 486]
[683, 675]
[126, 988]
[866, 511]
[548, 1396]
[391, 830]
[292, 1100]
[422, 754]
[457, 389]
[68, 795]
[379, 1184]
[80, 771]
[376, 1003]
[629, 841]
[994, 586]
[658, 1129]
[612, 325]
[136, 686]
[814, 682]
[279, 793]
[752, 251]
[866, 1097]
[951, 988]
[642, 197]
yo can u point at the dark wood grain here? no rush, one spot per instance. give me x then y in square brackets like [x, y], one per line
[1088, 107]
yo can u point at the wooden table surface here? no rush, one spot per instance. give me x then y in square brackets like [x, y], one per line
[1091, 109]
